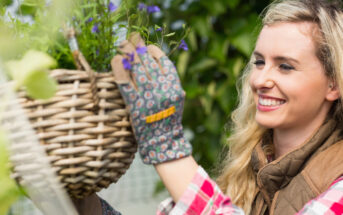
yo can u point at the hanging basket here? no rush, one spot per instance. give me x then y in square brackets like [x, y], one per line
[85, 130]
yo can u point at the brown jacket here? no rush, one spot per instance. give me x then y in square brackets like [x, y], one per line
[288, 183]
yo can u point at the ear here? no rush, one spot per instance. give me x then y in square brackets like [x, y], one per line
[333, 92]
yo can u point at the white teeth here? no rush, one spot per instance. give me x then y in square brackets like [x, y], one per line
[269, 102]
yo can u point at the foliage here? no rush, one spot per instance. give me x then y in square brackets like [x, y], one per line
[20, 35]
[222, 38]
[98, 25]
[9, 192]
[31, 73]
[100, 22]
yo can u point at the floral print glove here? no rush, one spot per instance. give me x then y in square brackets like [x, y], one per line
[150, 86]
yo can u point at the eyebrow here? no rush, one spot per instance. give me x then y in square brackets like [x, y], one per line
[277, 58]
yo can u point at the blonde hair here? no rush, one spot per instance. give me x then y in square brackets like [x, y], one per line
[237, 178]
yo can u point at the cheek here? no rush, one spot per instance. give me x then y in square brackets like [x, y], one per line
[306, 93]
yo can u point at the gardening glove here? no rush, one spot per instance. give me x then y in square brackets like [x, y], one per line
[150, 86]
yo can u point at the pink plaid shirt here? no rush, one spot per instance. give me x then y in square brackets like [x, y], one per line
[203, 196]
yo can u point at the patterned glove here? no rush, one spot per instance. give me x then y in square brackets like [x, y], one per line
[153, 94]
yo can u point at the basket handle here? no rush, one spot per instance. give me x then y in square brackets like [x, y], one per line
[81, 62]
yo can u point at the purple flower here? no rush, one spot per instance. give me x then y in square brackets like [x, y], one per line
[141, 6]
[127, 62]
[141, 49]
[183, 45]
[90, 19]
[153, 9]
[159, 29]
[112, 7]
[95, 28]
[131, 56]
[127, 65]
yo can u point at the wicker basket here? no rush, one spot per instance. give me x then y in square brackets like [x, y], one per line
[85, 130]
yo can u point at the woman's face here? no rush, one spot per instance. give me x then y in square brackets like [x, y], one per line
[288, 81]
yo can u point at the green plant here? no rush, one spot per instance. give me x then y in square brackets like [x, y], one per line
[10, 191]
[99, 24]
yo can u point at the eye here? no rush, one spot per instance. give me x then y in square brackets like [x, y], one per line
[259, 62]
[286, 67]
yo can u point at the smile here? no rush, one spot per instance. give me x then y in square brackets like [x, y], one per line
[269, 103]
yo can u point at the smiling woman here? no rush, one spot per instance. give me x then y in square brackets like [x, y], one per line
[285, 56]
[289, 112]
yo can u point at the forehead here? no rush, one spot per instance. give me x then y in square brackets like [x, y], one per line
[287, 38]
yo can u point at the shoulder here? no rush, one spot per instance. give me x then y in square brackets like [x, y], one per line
[329, 202]
[325, 168]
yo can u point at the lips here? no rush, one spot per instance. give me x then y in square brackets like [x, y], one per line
[268, 103]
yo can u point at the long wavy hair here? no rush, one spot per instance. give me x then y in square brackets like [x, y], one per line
[237, 178]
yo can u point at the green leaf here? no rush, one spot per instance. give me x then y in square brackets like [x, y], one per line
[159, 187]
[244, 43]
[27, 10]
[193, 89]
[133, 17]
[219, 48]
[232, 3]
[215, 7]
[238, 67]
[9, 191]
[192, 40]
[211, 89]
[30, 70]
[213, 116]
[40, 85]
[182, 63]
[202, 26]
[89, 5]
[156, 27]
[226, 96]
[4, 3]
[169, 35]
[203, 64]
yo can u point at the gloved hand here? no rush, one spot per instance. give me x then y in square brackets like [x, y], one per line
[153, 94]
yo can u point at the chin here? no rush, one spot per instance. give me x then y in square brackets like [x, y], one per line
[267, 123]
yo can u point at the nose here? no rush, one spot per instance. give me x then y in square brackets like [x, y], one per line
[262, 79]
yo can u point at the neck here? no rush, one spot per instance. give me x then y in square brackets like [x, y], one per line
[286, 140]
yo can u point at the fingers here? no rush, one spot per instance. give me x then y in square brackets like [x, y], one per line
[167, 67]
[136, 40]
[121, 75]
[122, 64]
[129, 51]
[148, 63]
[155, 52]
[124, 81]
[149, 55]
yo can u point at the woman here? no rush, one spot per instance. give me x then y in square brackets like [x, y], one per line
[286, 153]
